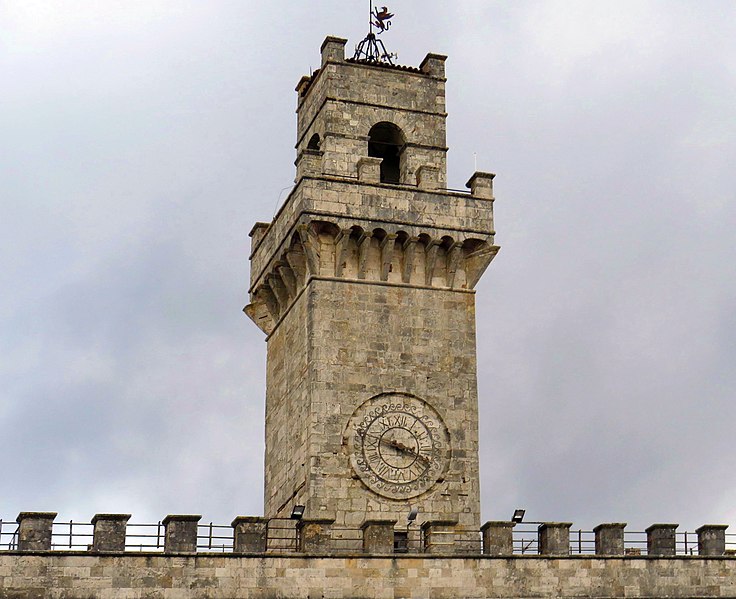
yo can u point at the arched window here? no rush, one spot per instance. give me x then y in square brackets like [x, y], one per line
[385, 140]
[314, 142]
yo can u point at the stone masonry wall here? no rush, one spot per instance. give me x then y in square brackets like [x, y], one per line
[84, 576]
[369, 339]
[287, 413]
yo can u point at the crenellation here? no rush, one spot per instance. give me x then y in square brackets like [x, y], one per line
[180, 533]
[661, 539]
[712, 539]
[109, 532]
[333, 49]
[34, 530]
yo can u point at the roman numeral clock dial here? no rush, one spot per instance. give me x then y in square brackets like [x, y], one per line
[399, 445]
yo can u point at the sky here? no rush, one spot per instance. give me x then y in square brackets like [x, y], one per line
[140, 141]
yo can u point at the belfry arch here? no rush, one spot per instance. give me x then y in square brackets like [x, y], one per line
[387, 141]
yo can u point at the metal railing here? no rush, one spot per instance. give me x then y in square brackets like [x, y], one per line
[8, 535]
[582, 542]
[282, 537]
[71, 536]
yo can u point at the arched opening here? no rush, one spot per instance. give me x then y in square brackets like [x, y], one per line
[385, 140]
[314, 142]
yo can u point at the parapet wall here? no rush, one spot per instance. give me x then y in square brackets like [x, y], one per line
[143, 576]
[442, 566]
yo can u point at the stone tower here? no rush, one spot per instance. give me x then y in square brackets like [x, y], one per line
[363, 284]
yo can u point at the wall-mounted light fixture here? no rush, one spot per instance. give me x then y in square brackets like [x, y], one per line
[518, 516]
[297, 512]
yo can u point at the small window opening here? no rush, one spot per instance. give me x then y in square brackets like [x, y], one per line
[385, 140]
[401, 541]
[314, 142]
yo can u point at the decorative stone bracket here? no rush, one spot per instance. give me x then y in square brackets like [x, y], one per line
[365, 253]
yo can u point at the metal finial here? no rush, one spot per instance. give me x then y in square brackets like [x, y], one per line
[371, 49]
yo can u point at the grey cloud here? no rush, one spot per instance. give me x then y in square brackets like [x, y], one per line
[139, 147]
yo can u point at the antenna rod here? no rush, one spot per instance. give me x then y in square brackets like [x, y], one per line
[370, 15]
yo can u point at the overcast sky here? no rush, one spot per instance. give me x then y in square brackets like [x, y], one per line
[141, 139]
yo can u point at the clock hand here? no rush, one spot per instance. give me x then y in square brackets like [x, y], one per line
[403, 448]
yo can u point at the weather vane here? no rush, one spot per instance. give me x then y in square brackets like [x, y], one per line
[371, 49]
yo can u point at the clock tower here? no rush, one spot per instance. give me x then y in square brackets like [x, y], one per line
[364, 286]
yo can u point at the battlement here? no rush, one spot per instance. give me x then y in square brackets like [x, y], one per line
[34, 532]
[179, 557]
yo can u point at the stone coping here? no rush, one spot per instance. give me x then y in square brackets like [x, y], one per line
[661, 527]
[249, 520]
[355, 555]
[110, 517]
[610, 525]
[181, 518]
[711, 527]
[36, 516]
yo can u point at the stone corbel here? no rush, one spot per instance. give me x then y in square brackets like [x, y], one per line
[454, 255]
[279, 291]
[310, 243]
[298, 263]
[263, 310]
[342, 246]
[431, 252]
[364, 244]
[387, 254]
[288, 278]
[477, 261]
[410, 246]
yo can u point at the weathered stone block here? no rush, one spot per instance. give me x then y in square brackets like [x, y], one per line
[434, 65]
[333, 50]
[428, 177]
[554, 538]
[481, 185]
[109, 532]
[34, 530]
[378, 536]
[661, 539]
[315, 534]
[498, 538]
[369, 169]
[308, 164]
[609, 538]
[180, 533]
[250, 534]
[712, 539]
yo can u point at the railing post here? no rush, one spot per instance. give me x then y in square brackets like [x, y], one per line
[34, 530]
[109, 532]
[609, 538]
[315, 534]
[180, 533]
[498, 538]
[250, 534]
[554, 538]
[712, 539]
[439, 536]
[378, 536]
[661, 539]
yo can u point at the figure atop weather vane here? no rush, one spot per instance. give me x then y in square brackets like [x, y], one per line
[383, 19]
[371, 49]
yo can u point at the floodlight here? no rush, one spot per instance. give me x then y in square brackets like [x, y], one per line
[518, 516]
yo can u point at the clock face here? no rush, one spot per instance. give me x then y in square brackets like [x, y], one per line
[398, 444]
